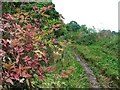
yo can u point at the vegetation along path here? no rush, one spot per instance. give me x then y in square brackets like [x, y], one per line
[90, 75]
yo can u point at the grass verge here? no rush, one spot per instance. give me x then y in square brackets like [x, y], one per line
[104, 65]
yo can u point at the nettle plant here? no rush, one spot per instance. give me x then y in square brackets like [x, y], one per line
[25, 42]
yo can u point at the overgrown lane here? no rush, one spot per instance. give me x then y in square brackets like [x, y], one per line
[90, 75]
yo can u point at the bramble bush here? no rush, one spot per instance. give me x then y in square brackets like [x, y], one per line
[27, 37]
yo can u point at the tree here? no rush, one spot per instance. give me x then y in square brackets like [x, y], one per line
[73, 26]
[84, 28]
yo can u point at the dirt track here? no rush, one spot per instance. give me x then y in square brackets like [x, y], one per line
[90, 75]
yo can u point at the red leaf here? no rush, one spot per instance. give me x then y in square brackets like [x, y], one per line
[53, 40]
[41, 76]
[34, 7]
[36, 29]
[26, 58]
[19, 70]
[50, 31]
[17, 59]
[64, 75]
[38, 23]
[8, 16]
[15, 42]
[62, 16]
[42, 32]
[9, 81]
[6, 25]
[25, 75]
[18, 26]
[16, 76]
[40, 68]
[68, 71]
[29, 26]
[57, 25]
[44, 59]
[44, 54]
[53, 69]
[8, 66]
[50, 6]
[4, 42]
[26, 67]
[21, 50]
[56, 29]
[31, 34]
[33, 63]
[35, 19]
[48, 69]
[28, 47]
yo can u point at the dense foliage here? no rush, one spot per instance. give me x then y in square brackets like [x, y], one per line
[28, 37]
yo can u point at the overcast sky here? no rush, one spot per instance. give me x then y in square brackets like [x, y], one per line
[102, 14]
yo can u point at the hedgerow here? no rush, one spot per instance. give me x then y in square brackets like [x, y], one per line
[28, 37]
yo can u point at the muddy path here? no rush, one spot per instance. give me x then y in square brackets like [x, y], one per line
[90, 75]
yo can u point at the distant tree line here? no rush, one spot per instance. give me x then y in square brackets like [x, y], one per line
[81, 34]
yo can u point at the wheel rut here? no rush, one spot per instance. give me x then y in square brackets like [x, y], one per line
[90, 75]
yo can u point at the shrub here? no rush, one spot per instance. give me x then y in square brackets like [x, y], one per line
[27, 35]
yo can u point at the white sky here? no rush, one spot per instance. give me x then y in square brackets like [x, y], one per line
[102, 14]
